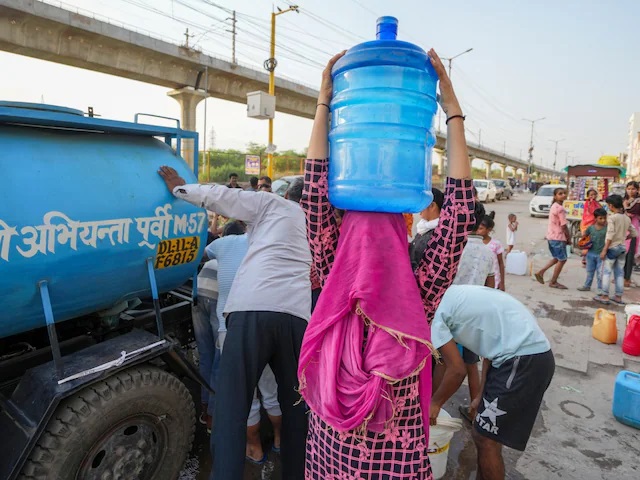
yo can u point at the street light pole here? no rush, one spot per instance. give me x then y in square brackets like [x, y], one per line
[533, 122]
[555, 152]
[270, 65]
[449, 60]
[566, 157]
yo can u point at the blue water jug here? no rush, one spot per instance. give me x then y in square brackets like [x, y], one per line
[626, 398]
[384, 102]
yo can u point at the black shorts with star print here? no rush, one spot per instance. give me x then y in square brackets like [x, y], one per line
[512, 397]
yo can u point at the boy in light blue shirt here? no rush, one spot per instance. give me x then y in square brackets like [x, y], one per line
[517, 369]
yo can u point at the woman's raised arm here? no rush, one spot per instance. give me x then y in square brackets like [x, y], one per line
[439, 265]
[322, 227]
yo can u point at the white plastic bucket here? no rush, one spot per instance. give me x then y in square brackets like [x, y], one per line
[631, 309]
[439, 440]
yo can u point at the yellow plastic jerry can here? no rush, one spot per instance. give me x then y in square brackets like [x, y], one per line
[604, 326]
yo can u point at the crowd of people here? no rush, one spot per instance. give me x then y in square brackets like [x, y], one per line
[352, 338]
[608, 244]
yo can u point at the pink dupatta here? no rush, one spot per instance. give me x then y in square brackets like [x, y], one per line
[344, 379]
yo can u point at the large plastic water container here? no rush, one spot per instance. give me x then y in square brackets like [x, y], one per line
[626, 398]
[605, 327]
[82, 208]
[381, 138]
[516, 263]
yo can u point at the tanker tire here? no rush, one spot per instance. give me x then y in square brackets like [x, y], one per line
[139, 399]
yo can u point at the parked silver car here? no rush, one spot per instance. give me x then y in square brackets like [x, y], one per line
[504, 189]
[281, 185]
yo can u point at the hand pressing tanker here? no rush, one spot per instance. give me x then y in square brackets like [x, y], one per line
[95, 259]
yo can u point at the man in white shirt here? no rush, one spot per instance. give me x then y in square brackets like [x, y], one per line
[267, 311]
[517, 368]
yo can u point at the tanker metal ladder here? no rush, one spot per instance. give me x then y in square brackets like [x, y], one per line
[51, 325]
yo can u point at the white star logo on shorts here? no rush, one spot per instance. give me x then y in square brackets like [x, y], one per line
[491, 410]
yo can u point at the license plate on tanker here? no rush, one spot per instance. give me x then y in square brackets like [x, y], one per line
[177, 251]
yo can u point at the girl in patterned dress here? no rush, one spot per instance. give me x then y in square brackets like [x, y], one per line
[365, 362]
[486, 228]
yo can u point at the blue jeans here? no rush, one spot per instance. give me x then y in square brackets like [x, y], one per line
[205, 329]
[594, 266]
[615, 267]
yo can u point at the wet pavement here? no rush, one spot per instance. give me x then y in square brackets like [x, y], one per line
[575, 435]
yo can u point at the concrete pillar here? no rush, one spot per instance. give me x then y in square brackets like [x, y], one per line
[487, 166]
[441, 172]
[188, 98]
[503, 171]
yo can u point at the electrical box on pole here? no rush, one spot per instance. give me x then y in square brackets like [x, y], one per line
[261, 105]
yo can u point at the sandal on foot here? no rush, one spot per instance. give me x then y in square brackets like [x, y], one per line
[253, 461]
[584, 288]
[603, 301]
[557, 285]
[275, 449]
[539, 278]
[618, 302]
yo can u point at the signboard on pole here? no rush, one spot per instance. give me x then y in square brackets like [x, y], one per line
[252, 164]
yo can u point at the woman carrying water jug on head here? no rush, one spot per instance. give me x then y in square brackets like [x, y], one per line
[365, 363]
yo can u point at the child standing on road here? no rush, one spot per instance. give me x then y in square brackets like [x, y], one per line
[512, 228]
[613, 253]
[558, 236]
[485, 229]
[631, 202]
[591, 204]
[596, 233]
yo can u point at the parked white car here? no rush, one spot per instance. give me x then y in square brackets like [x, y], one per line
[543, 199]
[486, 189]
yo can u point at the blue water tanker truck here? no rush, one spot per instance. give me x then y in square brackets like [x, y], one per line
[97, 281]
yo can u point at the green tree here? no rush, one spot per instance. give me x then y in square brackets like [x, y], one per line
[254, 148]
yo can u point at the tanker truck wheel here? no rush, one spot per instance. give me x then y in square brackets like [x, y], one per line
[136, 424]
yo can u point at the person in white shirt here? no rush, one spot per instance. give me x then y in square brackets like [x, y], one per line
[512, 228]
[229, 251]
[476, 268]
[267, 313]
[517, 369]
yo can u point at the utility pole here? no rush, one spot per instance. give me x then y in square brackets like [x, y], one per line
[187, 36]
[566, 158]
[233, 37]
[449, 60]
[270, 66]
[504, 148]
[205, 160]
[533, 122]
[555, 152]
[480, 137]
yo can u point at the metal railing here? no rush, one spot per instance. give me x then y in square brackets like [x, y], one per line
[217, 166]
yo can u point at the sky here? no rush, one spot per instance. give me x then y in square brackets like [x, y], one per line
[573, 62]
